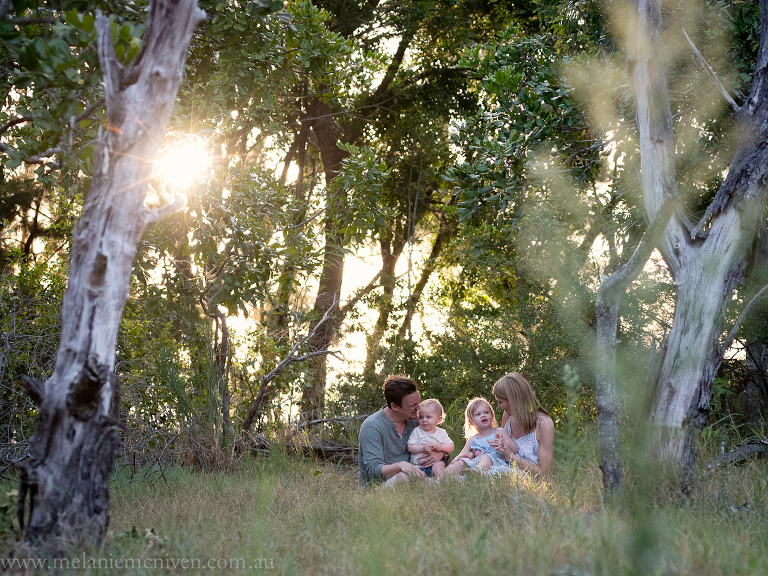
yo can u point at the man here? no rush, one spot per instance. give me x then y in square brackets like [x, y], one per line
[383, 441]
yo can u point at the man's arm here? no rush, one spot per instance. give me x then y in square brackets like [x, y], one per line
[372, 446]
[389, 470]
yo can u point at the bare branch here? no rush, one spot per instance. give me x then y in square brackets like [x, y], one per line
[153, 217]
[37, 158]
[325, 420]
[307, 221]
[373, 284]
[89, 109]
[34, 388]
[289, 358]
[711, 74]
[33, 20]
[40, 158]
[747, 309]
[619, 280]
[8, 125]
[740, 454]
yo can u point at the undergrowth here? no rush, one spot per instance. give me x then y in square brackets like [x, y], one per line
[291, 515]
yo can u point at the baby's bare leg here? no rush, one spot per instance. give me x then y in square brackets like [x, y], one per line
[484, 462]
[438, 468]
[454, 468]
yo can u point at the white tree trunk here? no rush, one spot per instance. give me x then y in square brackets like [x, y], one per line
[706, 265]
[76, 437]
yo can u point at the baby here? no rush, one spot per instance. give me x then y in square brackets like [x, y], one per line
[429, 438]
[482, 433]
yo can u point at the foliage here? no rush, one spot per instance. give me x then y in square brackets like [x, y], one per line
[490, 132]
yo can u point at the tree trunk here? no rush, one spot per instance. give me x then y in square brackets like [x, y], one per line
[329, 290]
[76, 438]
[706, 284]
[707, 266]
[222, 356]
[389, 258]
[441, 240]
[607, 311]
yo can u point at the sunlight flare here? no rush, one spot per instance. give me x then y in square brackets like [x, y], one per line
[184, 162]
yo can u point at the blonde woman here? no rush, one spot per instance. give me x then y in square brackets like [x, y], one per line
[527, 423]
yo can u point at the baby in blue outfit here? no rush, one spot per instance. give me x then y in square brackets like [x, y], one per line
[480, 426]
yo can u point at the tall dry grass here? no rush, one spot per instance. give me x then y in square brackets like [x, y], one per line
[310, 518]
[300, 516]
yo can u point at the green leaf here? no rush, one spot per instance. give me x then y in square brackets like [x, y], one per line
[7, 30]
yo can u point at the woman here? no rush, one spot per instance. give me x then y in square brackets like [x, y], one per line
[527, 422]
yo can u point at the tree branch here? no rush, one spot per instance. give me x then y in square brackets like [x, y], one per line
[8, 125]
[620, 278]
[394, 66]
[747, 309]
[153, 217]
[372, 285]
[711, 74]
[289, 358]
[34, 388]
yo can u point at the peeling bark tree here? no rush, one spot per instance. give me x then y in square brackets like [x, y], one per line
[707, 261]
[607, 311]
[76, 439]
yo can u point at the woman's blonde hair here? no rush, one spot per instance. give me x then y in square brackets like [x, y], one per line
[519, 394]
[434, 403]
[469, 424]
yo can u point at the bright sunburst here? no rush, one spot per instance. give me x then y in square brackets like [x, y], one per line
[184, 162]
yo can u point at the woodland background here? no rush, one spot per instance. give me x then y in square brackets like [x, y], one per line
[481, 158]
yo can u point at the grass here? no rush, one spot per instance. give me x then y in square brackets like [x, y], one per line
[296, 516]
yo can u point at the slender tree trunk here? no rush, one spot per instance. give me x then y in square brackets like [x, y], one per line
[222, 355]
[441, 240]
[329, 290]
[607, 310]
[76, 439]
[389, 258]
[285, 282]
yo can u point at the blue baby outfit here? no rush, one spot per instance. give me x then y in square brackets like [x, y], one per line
[481, 446]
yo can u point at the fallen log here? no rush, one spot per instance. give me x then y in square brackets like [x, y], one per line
[740, 455]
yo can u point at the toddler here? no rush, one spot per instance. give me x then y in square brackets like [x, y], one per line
[480, 427]
[429, 438]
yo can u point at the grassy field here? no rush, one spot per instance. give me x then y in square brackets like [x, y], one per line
[286, 515]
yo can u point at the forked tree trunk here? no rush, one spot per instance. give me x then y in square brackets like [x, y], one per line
[76, 439]
[706, 266]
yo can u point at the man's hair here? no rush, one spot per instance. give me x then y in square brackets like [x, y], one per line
[397, 387]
